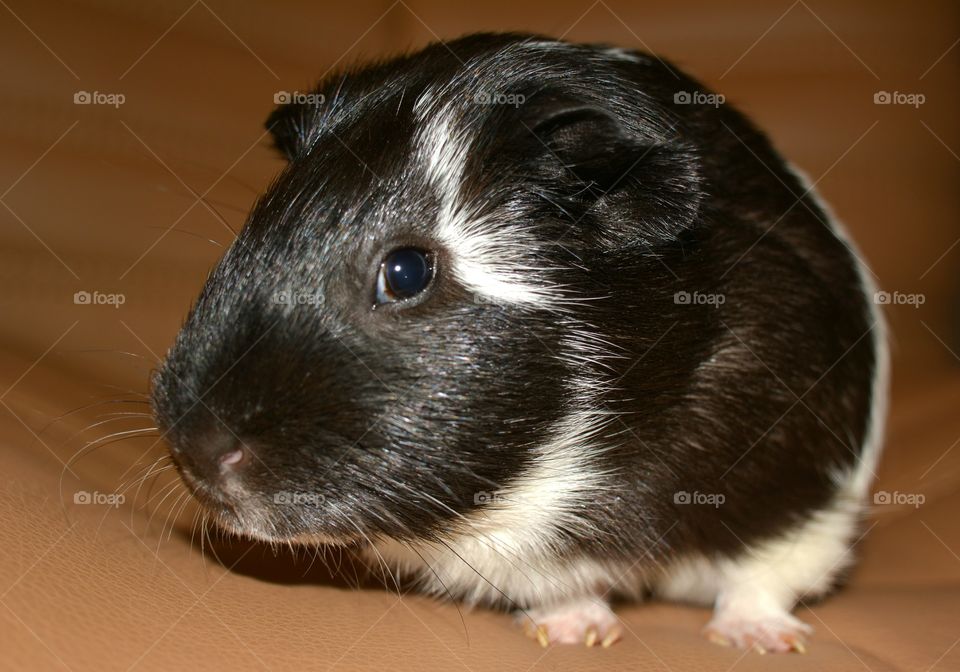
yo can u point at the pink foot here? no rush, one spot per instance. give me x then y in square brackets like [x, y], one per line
[585, 621]
[773, 633]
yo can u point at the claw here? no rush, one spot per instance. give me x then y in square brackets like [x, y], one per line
[542, 636]
[587, 622]
[611, 639]
[717, 638]
[762, 634]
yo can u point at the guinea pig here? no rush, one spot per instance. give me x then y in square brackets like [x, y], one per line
[539, 325]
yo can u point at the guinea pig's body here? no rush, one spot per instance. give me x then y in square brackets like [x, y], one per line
[633, 353]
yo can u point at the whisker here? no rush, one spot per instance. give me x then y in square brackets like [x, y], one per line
[186, 502]
[85, 407]
[487, 581]
[169, 518]
[480, 537]
[138, 473]
[109, 438]
[143, 481]
[216, 213]
[78, 455]
[86, 351]
[165, 491]
[189, 233]
[236, 180]
[453, 600]
[382, 562]
[207, 526]
[193, 526]
[143, 396]
[149, 473]
[97, 423]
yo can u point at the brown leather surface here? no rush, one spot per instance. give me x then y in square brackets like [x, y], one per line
[88, 192]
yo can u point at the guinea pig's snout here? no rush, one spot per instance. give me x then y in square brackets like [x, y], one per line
[213, 456]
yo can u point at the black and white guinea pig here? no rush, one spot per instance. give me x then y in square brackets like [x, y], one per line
[539, 325]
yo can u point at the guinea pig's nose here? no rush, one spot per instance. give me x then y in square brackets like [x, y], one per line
[215, 455]
[223, 450]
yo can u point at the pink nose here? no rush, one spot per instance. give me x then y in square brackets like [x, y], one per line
[233, 457]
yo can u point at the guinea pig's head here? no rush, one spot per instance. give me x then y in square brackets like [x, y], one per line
[407, 321]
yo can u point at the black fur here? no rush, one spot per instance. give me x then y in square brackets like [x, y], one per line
[399, 415]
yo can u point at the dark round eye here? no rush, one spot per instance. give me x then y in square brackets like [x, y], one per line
[403, 274]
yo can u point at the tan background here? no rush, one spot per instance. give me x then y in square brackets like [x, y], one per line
[89, 193]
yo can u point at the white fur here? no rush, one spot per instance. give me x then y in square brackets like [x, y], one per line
[753, 595]
[507, 548]
[801, 562]
[804, 561]
[493, 262]
[623, 54]
[512, 543]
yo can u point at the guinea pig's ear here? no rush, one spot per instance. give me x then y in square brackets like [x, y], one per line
[284, 124]
[643, 186]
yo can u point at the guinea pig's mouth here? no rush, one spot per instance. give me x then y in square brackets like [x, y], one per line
[239, 512]
[231, 522]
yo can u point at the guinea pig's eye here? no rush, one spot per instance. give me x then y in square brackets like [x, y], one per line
[403, 274]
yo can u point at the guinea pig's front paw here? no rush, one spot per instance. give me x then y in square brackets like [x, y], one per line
[773, 633]
[583, 621]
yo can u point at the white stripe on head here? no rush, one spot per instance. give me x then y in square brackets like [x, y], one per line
[492, 261]
[624, 54]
